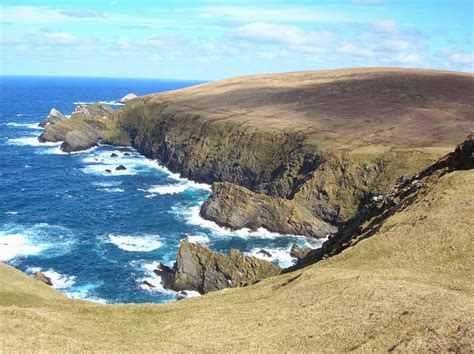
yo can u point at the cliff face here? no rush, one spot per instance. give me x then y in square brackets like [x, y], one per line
[237, 208]
[400, 197]
[327, 141]
[200, 269]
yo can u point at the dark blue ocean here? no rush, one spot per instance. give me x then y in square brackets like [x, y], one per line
[98, 235]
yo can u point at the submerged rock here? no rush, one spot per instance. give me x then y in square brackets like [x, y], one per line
[128, 97]
[296, 251]
[108, 170]
[43, 278]
[120, 168]
[53, 117]
[236, 207]
[264, 253]
[147, 283]
[200, 269]
[114, 155]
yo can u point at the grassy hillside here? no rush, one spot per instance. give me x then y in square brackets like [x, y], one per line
[407, 288]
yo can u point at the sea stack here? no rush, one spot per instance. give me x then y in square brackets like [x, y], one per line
[128, 97]
[53, 117]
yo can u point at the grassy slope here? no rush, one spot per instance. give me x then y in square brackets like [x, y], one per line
[409, 287]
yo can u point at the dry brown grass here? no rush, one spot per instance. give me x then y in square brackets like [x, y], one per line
[343, 109]
[407, 288]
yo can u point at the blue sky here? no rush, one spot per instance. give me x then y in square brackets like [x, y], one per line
[216, 39]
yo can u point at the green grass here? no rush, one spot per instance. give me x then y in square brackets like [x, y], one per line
[407, 288]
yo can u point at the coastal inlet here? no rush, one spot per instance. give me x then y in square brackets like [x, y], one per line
[98, 222]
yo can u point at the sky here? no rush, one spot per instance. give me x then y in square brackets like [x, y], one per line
[208, 40]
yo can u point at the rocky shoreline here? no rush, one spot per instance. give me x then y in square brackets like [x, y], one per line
[307, 168]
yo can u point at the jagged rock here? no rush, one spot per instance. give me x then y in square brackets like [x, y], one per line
[147, 283]
[236, 207]
[126, 154]
[128, 97]
[186, 294]
[96, 109]
[43, 278]
[296, 251]
[53, 117]
[80, 132]
[120, 168]
[264, 253]
[200, 269]
[114, 155]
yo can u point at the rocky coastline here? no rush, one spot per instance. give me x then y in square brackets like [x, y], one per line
[307, 168]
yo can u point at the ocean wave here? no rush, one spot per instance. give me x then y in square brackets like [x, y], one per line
[31, 141]
[113, 190]
[83, 292]
[24, 125]
[280, 256]
[201, 239]
[60, 281]
[11, 212]
[15, 245]
[153, 279]
[146, 243]
[17, 240]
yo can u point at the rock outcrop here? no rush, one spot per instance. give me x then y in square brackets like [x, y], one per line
[236, 207]
[43, 278]
[53, 117]
[199, 269]
[400, 197]
[128, 97]
[96, 109]
[87, 127]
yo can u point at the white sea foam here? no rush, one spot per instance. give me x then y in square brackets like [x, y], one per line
[11, 212]
[18, 240]
[278, 255]
[202, 239]
[15, 245]
[146, 243]
[168, 189]
[82, 292]
[25, 125]
[153, 279]
[31, 141]
[23, 115]
[106, 184]
[192, 217]
[60, 281]
[112, 190]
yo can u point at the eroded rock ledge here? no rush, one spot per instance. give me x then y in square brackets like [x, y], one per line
[200, 269]
[236, 207]
[88, 126]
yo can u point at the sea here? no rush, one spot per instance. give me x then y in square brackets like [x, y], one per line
[100, 235]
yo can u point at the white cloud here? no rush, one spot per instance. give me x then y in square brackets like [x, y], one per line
[456, 56]
[272, 14]
[282, 34]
